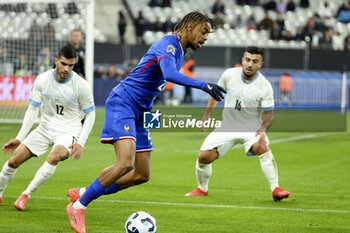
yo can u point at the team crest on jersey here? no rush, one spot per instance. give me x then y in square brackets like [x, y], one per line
[126, 128]
[57, 99]
[171, 49]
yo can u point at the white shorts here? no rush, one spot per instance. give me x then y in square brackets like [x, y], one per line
[224, 141]
[39, 140]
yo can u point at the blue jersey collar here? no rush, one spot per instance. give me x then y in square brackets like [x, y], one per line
[54, 77]
[256, 77]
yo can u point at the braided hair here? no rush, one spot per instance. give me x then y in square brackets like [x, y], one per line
[192, 17]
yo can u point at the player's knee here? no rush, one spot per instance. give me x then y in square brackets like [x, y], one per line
[207, 156]
[13, 163]
[262, 149]
[53, 159]
[127, 165]
[142, 178]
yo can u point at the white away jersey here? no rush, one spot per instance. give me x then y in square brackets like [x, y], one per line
[62, 104]
[244, 101]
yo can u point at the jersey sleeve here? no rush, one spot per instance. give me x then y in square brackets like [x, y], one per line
[166, 52]
[166, 49]
[86, 99]
[35, 93]
[223, 79]
[171, 74]
[268, 102]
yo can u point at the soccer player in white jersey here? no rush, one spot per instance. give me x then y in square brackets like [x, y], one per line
[249, 94]
[63, 98]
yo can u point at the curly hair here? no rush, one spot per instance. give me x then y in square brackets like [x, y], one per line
[192, 17]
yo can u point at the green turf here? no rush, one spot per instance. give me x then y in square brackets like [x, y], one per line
[315, 170]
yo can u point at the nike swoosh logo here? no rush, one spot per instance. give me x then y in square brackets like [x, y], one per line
[210, 87]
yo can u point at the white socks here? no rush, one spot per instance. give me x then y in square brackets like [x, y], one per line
[81, 191]
[203, 173]
[6, 176]
[269, 168]
[78, 205]
[42, 175]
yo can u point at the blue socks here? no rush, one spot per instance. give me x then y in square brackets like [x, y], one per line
[112, 189]
[95, 190]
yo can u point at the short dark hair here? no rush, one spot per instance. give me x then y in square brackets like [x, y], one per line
[254, 50]
[67, 51]
[76, 30]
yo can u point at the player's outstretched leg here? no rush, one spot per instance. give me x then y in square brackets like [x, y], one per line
[6, 175]
[75, 210]
[269, 168]
[76, 218]
[203, 173]
[41, 176]
[21, 201]
[75, 193]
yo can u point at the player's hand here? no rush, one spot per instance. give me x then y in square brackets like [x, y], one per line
[11, 146]
[215, 91]
[76, 150]
[261, 132]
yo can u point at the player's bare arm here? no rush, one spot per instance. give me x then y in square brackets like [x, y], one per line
[210, 106]
[28, 121]
[267, 122]
[77, 147]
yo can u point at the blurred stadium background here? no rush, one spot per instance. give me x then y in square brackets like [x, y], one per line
[308, 40]
[310, 43]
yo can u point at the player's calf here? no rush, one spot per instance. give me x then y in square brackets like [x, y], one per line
[207, 156]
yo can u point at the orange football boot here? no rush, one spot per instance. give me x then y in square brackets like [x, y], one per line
[196, 192]
[76, 218]
[278, 194]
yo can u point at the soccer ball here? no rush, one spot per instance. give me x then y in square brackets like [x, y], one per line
[140, 222]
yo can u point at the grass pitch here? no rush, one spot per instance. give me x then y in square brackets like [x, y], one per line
[314, 167]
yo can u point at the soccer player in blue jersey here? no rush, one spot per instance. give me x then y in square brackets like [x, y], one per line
[123, 125]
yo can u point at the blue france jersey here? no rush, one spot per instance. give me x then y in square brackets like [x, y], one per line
[146, 80]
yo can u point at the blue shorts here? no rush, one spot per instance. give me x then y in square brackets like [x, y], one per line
[124, 120]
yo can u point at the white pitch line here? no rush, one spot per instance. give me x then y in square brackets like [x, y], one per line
[276, 141]
[203, 205]
[302, 137]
